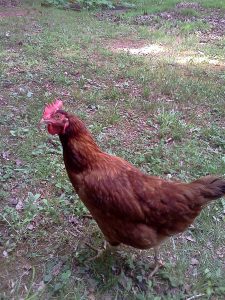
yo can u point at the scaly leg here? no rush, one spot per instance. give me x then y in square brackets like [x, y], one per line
[106, 247]
[158, 264]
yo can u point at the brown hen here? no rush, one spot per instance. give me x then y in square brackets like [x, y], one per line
[129, 206]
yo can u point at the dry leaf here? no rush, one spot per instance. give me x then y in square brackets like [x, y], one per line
[190, 238]
[19, 205]
[27, 267]
[56, 269]
[194, 262]
[18, 162]
[5, 155]
[13, 201]
[40, 286]
[30, 226]
[91, 296]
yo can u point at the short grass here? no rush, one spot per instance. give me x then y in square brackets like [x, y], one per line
[153, 6]
[165, 117]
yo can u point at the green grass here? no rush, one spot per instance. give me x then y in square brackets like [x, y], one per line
[153, 6]
[164, 116]
[189, 12]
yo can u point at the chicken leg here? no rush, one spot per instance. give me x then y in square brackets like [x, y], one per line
[158, 264]
[105, 248]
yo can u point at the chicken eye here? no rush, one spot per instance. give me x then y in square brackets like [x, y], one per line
[57, 116]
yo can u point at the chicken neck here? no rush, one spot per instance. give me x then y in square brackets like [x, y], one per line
[80, 151]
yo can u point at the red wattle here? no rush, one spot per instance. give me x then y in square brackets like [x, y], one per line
[52, 130]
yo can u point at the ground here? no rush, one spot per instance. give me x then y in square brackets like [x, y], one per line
[150, 85]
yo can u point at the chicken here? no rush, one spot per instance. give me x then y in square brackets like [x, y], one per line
[130, 207]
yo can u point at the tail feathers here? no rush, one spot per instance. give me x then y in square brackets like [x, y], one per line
[211, 187]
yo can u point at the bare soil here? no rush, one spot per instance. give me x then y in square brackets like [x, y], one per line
[213, 18]
[12, 8]
[8, 3]
[13, 13]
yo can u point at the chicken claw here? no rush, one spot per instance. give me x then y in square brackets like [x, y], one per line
[106, 247]
[158, 263]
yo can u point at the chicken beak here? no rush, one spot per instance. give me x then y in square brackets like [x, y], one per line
[41, 123]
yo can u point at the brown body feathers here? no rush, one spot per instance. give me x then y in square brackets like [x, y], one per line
[129, 206]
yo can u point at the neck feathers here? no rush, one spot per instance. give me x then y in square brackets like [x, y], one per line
[79, 148]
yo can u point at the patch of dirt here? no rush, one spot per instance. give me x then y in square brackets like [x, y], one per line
[214, 19]
[113, 15]
[193, 5]
[8, 3]
[13, 12]
[158, 51]
[126, 43]
[135, 47]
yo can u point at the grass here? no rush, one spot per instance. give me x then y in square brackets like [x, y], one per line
[164, 116]
[153, 6]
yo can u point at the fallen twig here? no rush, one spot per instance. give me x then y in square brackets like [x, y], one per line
[195, 296]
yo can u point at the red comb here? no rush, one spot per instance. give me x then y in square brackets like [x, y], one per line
[52, 108]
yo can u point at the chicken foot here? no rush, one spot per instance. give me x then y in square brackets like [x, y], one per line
[158, 263]
[106, 247]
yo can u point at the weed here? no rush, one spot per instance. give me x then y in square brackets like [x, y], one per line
[189, 12]
[190, 27]
[171, 125]
[215, 136]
